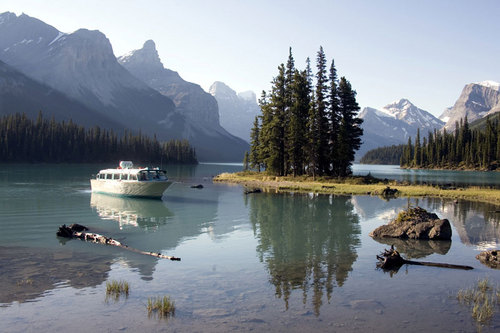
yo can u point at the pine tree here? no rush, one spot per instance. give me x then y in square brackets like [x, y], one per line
[297, 129]
[246, 161]
[334, 119]
[321, 125]
[255, 155]
[350, 130]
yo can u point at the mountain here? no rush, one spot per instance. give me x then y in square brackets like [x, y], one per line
[476, 101]
[19, 93]
[237, 111]
[394, 124]
[189, 98]
[82, 66]
[199, 107]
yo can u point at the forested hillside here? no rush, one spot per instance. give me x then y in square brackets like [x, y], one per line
[41, 140]
[384, 155]
[464, 148]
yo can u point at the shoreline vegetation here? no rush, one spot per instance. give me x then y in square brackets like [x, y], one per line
[358, 185]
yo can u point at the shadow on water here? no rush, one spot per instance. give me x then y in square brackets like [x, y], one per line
[308, 242]
[33, 271]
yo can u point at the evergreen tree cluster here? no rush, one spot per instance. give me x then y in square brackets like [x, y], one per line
[384, 155]
[308, 125]
[41, 140]
[463, 148]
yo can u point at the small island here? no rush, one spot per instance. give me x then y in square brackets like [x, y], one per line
[354, 186]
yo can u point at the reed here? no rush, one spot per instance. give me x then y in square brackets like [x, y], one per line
[25, 282]
[482, 299]
[164, 306]
[114, 289]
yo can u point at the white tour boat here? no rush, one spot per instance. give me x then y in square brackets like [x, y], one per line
[132, 182]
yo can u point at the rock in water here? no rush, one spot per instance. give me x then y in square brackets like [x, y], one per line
[490, 258]
[415, 223]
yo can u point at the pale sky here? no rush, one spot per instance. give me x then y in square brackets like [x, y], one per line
[422, 50]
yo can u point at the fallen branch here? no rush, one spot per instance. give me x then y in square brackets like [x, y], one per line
[80, 231]
[392, 260]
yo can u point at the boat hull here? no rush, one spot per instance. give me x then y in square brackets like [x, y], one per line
[143, 189]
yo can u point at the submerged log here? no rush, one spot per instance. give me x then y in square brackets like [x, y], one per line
[79, 231]
[392, 260]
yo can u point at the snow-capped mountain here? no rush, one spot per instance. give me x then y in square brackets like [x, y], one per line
[82, 66]
[237, 111]
[476, 101]
[394, 124]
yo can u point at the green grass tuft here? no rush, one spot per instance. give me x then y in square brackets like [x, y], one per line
[114, 289]
[164, 306]
[482, 299]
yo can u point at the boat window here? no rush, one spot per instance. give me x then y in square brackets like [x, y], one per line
[142, 175]
[124, 176]
[109, 176]
[133, 177]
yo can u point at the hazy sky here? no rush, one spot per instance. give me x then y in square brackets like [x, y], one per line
[423, 50]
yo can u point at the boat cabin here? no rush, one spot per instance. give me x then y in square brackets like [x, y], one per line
[126, 172]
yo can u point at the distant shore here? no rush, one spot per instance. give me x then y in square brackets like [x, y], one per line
[356, 186]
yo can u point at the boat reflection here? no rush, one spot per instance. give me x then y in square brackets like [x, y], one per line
[131, 212]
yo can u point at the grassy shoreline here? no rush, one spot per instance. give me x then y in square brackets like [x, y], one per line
[355, 186]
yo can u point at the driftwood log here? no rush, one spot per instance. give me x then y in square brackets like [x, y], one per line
[80, 231]
[392, 260]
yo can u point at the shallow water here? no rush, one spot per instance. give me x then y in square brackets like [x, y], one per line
[262, 262]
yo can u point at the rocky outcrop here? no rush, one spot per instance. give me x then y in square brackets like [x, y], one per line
[189, 98]
[476, 101]
[237, 111]
[415, 223]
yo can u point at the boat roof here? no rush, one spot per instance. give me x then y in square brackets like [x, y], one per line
[129, 170]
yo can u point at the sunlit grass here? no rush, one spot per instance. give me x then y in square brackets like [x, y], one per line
[354, 186]
[25, 282]
[114, 289]
[482, 299]
[161, 306]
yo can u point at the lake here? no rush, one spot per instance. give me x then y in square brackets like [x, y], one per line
[262, 262]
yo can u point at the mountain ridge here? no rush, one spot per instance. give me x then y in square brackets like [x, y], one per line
[82, 66]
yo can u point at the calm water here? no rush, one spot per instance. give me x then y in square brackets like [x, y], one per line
[262, 262]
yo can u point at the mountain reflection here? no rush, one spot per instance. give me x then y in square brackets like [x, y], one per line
[476, 223]
[308, 242]
[27, 273]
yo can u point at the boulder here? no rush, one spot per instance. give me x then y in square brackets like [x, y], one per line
[415, 223]
[490, 258]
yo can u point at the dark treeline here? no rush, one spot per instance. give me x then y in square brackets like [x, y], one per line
[463, 148]
[306, 128]
[47, 141]
[384, 155]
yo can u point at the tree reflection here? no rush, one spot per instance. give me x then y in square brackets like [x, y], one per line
[308, 242]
